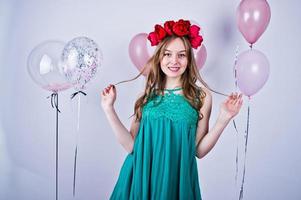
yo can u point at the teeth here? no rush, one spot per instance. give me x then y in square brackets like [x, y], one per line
[174, 69]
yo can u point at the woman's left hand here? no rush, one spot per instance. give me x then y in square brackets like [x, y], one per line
[231, 106]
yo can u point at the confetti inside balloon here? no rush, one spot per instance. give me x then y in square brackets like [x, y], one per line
[81, 57]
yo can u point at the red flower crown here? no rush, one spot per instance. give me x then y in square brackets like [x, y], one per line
[180, 28]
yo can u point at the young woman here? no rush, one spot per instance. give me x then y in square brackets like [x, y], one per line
[171, 121]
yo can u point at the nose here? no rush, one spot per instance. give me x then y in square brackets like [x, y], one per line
[174, 59]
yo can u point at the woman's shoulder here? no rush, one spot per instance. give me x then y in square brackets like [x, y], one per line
[205, 94]
[143, 94]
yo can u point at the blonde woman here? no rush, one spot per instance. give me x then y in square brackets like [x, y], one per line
[170, 127]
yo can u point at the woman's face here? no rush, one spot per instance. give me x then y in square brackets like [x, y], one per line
[174, 61]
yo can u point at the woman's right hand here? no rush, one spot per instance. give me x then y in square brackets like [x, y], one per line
[108, 97]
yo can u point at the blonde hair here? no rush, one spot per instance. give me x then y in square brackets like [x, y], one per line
[156, 80]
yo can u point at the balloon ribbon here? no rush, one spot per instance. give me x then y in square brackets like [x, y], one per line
[55, 104]
[76, 146]
[246, 145]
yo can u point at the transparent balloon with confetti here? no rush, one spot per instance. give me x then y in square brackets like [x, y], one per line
[81, 59]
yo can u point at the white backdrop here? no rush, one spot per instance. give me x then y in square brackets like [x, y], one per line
[27, 123]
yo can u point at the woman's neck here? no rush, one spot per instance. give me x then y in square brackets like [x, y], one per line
[173, 83]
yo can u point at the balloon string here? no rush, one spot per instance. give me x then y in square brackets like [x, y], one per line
[246, 145]
[77, 138]
[74, 171]
[76, 93]
[54, 100]
[55, 104]
[234, 66]
[57, 144]
[78, 112]
[234, 124]
[236, 159]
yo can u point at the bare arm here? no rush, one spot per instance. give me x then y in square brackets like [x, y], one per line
[207, 140]
[203, 124]
[124, 137]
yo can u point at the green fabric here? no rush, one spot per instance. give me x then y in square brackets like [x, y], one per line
[162, 164]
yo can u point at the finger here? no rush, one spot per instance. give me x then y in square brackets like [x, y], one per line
[238, 97]
[231, 98]
[114, 88]
[110, 90]
[235, 95]
[236, 101]
[239, 103]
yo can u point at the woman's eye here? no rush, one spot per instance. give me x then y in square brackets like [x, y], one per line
[182, 55]
[167, 54]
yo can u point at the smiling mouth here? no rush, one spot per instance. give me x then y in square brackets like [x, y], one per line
[174, 69]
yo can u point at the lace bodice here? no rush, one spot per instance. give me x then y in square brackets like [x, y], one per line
[171, 105]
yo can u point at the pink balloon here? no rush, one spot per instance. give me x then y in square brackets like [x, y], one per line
[253, 17]
[201, 56]
[252, 71]
[138, 51]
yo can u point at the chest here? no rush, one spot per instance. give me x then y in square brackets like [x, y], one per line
[172, 106]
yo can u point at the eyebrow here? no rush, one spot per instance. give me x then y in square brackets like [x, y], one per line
[178, 51]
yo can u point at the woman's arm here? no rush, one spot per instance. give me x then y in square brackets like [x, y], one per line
[124, 137]
[229, 108]
[203, 124]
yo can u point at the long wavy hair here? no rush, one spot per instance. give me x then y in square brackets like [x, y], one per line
[156, 79]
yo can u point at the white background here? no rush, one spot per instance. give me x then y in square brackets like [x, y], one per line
[27, 123]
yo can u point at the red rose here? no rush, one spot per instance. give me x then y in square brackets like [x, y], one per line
[168, 27]
[187, 22]
[181, 28]
[160, 31]
[196, 41]
[194, 31]
[156, 36]
[152, 37]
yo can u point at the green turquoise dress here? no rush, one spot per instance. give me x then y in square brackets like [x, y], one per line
[162, 164]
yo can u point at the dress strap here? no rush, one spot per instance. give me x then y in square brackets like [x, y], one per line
[173, 90]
